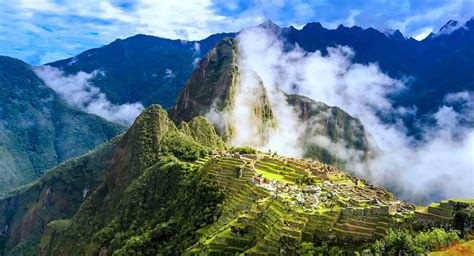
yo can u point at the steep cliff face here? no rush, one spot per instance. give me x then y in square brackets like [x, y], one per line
[212, 83]
[238, 102]
[213, 87]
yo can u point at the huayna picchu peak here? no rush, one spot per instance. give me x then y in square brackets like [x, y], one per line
[215, 89]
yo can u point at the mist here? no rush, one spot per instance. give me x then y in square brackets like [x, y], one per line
[440, 165]
[78, 91]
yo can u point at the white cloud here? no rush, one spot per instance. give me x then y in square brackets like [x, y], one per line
[422, 33]
[351, 19]
[78, 91]
[41, 5]
[451, 8]
[110, 12]
[439, 166]
[169, 74]
[172, 18]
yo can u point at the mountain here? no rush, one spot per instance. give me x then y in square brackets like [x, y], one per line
[141, 68]
[213, 87]
[152, 70]
[37, 129]
[117, 165]
[449, 27]
[157, 190]
[434, 67]
[57, 194]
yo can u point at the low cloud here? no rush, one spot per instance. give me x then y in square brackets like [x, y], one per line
[169, 74]
[78, 91]
[438, 166]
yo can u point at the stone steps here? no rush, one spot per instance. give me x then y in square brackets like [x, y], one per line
[266, 169]
[448, 213]
[431, 216]
[354, 228]
[359, 223]
[274, 161]
[355, 233]
[381, 231]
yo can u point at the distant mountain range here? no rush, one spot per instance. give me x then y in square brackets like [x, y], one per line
[440, 64]
[152, 69]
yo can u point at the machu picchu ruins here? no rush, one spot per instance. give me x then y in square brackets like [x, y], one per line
[273, 203]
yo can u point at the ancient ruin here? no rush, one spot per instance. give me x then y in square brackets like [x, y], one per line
[281, 201]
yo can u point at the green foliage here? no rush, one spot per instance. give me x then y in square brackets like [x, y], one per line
[304, 180]
[136, 68]
[307, 248]
[405, 242]
[56, 195]
[243, 150]
[202, 131]
[183, 147]
[153, 201]
[161, 211]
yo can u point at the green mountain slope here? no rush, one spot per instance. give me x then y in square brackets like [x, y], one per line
[152, 177]
[26, 211]
[213, 86]
[37, 129]
[163, 193]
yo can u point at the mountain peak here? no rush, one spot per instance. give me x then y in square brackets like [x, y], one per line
[394, 33]
[313, 26]
[270, 25]
[449, 27]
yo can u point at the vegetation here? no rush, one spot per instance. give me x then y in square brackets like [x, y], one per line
[155, 190]
[56, 195]
[400, 242]
[243, 150]
[203, 132]
[38, 130]
[153, 200]
[409, 242]
[141, 68]
[183, 147]
[167, 204]
[304, 180]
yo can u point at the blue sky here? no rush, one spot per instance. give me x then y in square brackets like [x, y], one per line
[41, 31]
